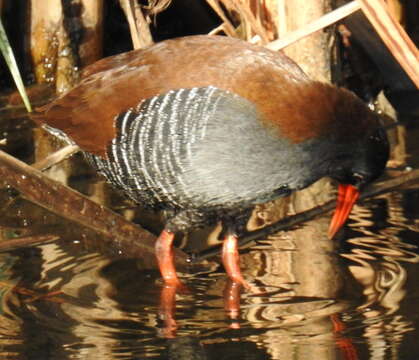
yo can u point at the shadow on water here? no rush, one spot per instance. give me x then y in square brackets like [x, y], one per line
[352, 298]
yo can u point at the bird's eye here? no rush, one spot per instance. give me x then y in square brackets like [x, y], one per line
[358, 179]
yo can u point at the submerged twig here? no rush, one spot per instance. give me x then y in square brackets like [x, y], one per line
[67, 203]
[290, 221]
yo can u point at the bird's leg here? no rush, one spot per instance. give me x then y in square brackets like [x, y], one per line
[231, 259]
[164, 254]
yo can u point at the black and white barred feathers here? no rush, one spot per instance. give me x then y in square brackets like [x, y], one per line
[147, 159]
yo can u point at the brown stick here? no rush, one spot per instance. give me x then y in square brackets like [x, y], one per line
[91, 46]
[290, 221]
[228, 26]
[139, 29]
[322, 22]
[56, 157]
[394, 36]
[250, 19]
[9, 244]
[65, 202]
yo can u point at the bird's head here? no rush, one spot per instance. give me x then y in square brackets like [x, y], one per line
[357, 168]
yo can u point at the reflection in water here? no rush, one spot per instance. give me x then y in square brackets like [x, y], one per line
[10, 335]
[379, 260]
[352, 298]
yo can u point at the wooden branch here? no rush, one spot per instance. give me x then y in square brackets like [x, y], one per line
[228, 26]
[91, 45]
[129, 13]
[390, 31]
[56, 157]
[68, 203]
[322, 22]
[249, 18]
[10, 244]
[394, 36]
[290, 221]
[139, 29]
[282, 18]
[223, 27]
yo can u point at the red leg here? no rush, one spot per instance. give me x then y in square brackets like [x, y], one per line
[231, 260]
[164, 254]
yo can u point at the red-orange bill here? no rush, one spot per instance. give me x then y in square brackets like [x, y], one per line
[347, 196]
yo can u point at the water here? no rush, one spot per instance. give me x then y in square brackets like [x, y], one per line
[352, 298]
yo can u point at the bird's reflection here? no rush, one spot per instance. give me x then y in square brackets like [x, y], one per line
[167, 306]
[231, 296]
[167, 310]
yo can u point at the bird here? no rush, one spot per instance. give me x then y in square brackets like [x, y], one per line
[206, 127]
